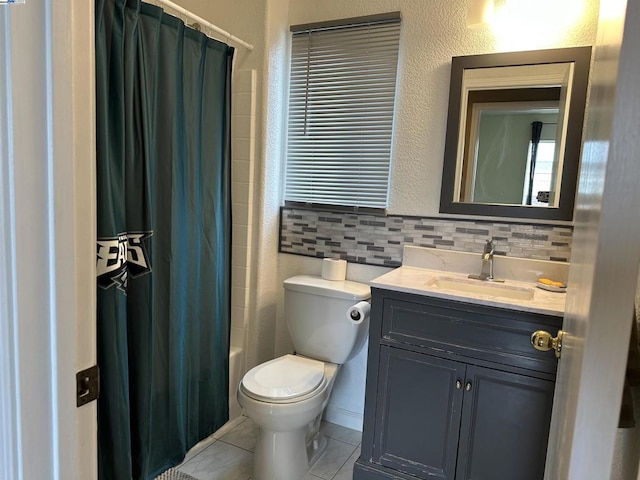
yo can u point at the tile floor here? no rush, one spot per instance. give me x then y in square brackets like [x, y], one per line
[228, 453]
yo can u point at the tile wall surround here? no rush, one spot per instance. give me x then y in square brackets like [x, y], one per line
[378, 240]
[243, 117]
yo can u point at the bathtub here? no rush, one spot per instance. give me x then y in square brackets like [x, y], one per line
[235, 375]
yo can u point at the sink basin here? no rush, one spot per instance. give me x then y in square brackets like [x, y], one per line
[479, 287]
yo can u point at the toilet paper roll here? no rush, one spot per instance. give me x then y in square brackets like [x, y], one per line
[359, 312]
[333, 269]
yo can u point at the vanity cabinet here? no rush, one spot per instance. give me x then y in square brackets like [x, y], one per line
[455, 391]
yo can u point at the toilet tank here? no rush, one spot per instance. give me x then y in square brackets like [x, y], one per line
[316, 315]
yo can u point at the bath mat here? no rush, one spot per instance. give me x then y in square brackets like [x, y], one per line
[173, 474]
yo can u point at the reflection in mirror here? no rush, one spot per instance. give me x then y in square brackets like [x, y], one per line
[514, 156]
[511, 130]
[511, 149]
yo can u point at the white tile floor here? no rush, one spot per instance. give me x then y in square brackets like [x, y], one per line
[228, 453]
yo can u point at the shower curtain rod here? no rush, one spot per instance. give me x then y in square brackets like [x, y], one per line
[203, 23]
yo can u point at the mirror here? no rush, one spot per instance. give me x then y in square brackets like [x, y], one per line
[514, 132]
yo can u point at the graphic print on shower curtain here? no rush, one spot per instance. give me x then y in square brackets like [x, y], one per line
[164, 228]
[120, 258]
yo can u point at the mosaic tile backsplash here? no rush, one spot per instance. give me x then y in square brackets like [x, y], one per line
[377, 240]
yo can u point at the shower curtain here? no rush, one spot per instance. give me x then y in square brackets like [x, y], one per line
[164, 227]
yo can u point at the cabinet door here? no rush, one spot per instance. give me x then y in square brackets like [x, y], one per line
[505, 426]
[418, 416]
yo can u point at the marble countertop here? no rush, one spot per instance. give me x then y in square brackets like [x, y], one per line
[444, 284]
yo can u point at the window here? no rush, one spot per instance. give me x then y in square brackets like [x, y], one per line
[542, 178]
[341, 104]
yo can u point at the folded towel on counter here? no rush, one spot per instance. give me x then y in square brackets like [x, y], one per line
[632, 378]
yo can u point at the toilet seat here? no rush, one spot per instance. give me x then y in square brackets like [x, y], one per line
[286, 379]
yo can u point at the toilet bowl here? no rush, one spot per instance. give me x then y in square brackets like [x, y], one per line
[286, 396]
[289, 439]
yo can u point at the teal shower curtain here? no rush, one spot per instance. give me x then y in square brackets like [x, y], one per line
[164, 227]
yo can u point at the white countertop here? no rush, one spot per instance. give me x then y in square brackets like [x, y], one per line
[421, 281]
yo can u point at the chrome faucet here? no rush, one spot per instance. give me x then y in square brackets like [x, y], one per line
[486, 273]
[487, 260]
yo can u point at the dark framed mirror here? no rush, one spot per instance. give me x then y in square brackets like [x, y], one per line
[514, 133]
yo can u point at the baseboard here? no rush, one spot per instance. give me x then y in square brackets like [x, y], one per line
[343, 417]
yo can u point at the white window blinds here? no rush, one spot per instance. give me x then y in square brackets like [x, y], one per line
[341, 104]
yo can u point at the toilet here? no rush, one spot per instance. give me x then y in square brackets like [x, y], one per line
[286, 396]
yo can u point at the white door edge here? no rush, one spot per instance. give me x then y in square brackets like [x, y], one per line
[604, 260]
[73, 179]
[10, 465]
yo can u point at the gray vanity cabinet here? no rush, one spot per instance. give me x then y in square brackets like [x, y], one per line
[454, 391]
[505, 425]
[418, 390]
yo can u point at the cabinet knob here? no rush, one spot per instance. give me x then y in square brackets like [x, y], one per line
[467, 387]
[458, 384]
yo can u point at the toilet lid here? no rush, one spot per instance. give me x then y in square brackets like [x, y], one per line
[285, 377]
